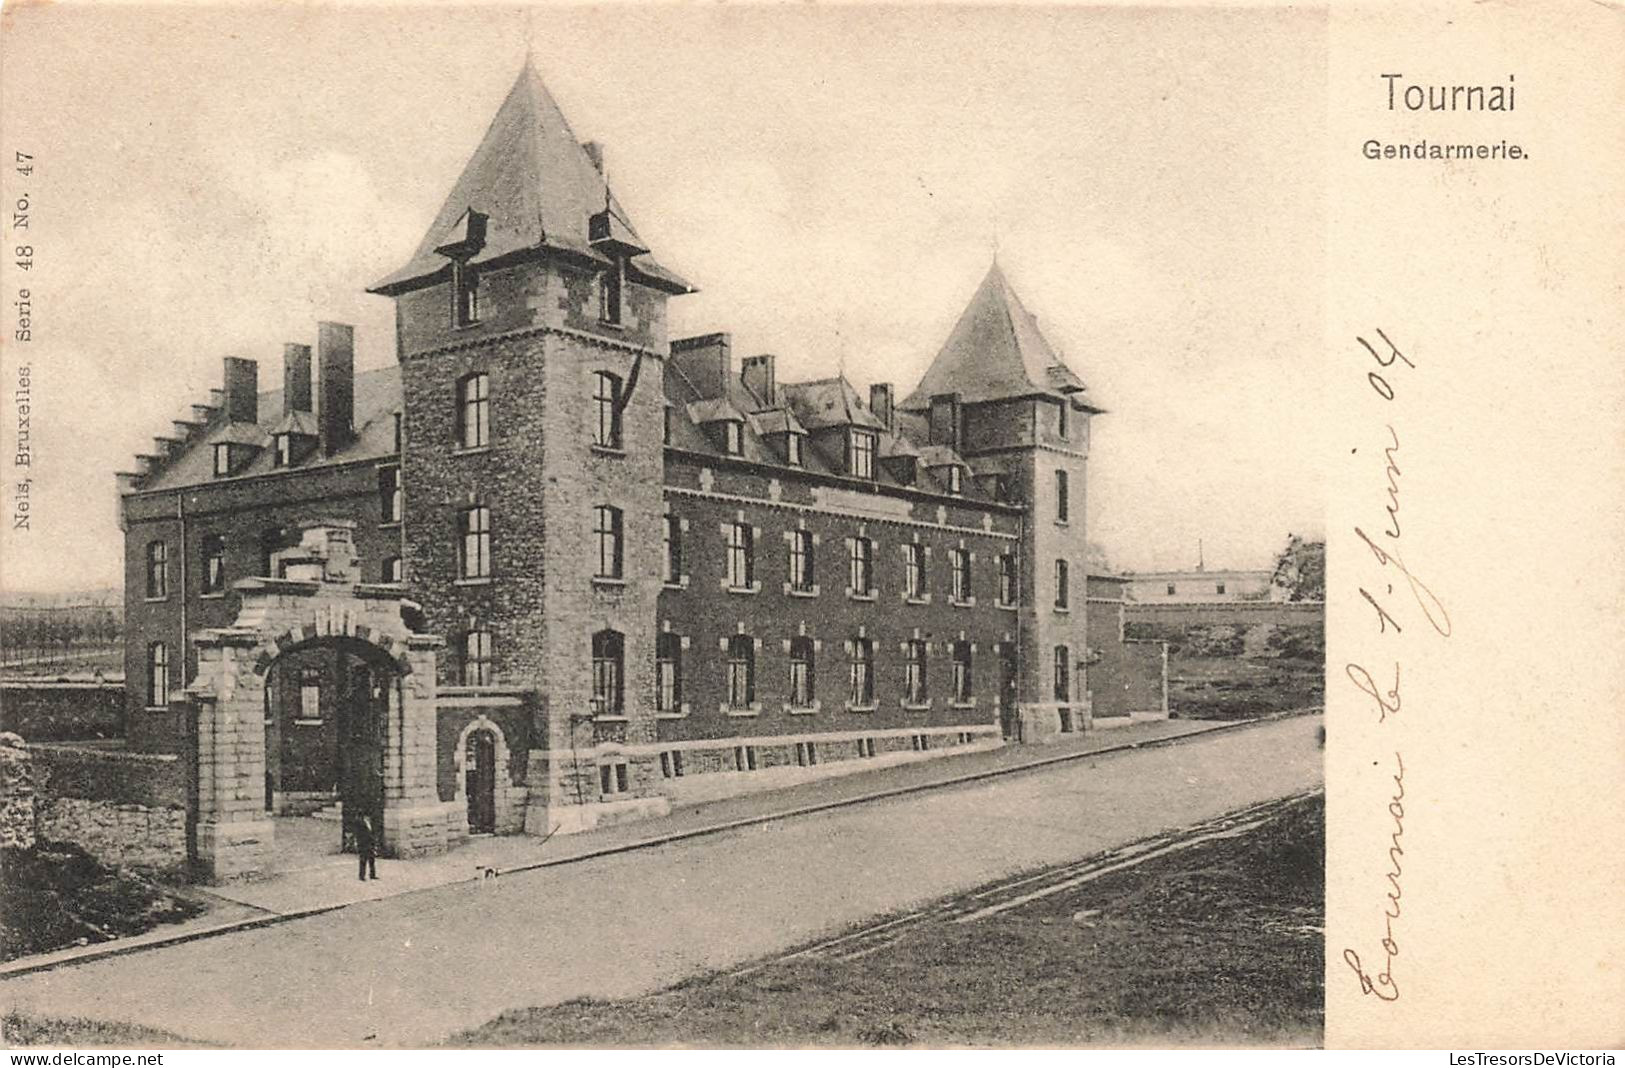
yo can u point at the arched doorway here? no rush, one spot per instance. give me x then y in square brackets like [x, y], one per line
[480, 781]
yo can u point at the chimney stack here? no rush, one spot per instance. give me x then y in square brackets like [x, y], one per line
[880, 403]
[242, 392]
[595, 152]
[335, 353]
[943, 427]
[757, 374]
[706, 361]
[295, 379]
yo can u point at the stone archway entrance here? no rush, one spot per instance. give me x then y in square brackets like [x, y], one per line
[384, 707]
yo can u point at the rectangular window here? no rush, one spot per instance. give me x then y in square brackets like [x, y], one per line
[606, 403]
[866, 747]
[806, 754]
[668, 673]
[861, 572]
[801, 672]
[860, 454]
[1007, 579]
[477, 659]
[613, 779]
[956, 481]
[465, 294]
[1063, 674]
[474, 411]
[665, 426]
[741, 672]
[284, 450]
[310, 694]
[606, 529]
[214, 564]
[157, 675]
[608, 673]
[792, 450]
[861, 673]
[801, 560]
[389, 494]
[959, 560]
[733, 437]
[914, 571]
[474, 542]
[962, 672]
[393, 570]
[1061, 503]
[1063, 420]
[672, 571]
[609, 293]
[914, 687]
[920, 742]
[400, 432]
[741, 556]
[744, 758]
[157, 570]
[222, 459]
[1170, 589]
[671, 764]
[1218, 587]
[1062, 585]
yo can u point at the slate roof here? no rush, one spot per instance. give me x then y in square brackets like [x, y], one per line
[996, 351]
[827, 402]
[377, 399]
[537, 187]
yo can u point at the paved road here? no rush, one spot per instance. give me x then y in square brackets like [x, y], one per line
[410, 970]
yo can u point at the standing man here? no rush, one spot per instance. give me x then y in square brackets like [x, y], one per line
[366, 846]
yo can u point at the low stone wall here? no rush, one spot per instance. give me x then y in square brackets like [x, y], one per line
[122, 808]
[62, 710]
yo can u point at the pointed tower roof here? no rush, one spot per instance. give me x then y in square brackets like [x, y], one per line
[996, 351]
[530, 185]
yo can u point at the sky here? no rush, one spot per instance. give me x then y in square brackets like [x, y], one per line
[835, 180]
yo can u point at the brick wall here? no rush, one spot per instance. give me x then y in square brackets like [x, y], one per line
[48, 711]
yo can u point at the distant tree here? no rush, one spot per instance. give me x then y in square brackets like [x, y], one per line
[1300, 569]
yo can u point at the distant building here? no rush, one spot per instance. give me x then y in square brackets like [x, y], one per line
[1203, 586]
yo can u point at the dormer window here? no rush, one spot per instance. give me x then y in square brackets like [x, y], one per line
[222, 459]
[733, 437]
[860, 454]
[284, 450]
[792, 450]
[956, 481]
[609, 292]
[465, 294]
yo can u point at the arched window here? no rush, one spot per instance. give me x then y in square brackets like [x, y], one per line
[668, 673]
[801, 672]
[474, 542]
[606, 529]
[608, 674]
[741, 671]
[478, 660]
[1063, 674]
[474, 411]
[157, 675]
[389, 494]
[606, 406]
[157, 570]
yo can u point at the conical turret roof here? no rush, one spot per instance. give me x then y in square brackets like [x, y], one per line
[996, 351]
[536, 187]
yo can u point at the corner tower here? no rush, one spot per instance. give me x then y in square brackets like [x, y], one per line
[1000, 393]
[531, 333]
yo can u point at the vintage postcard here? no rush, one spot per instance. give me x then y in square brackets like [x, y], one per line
[784, 527]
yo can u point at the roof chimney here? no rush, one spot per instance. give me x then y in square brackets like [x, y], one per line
[595, 152]
[295, 379]
[757, 374]
[335, 354]
[706, 361]
[943, 426]
[242, 393]
[880, 403]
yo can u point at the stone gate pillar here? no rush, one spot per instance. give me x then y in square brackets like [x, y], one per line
[416, 821]
[234, 832]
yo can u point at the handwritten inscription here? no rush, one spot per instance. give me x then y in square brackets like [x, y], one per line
[1382, 984]
[1396, 595]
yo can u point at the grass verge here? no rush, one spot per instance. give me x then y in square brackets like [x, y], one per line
[1219, 944]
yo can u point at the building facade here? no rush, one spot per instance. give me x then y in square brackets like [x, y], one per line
[1201, 585]
[660, 574]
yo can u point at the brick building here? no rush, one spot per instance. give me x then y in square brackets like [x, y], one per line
[659, 572]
